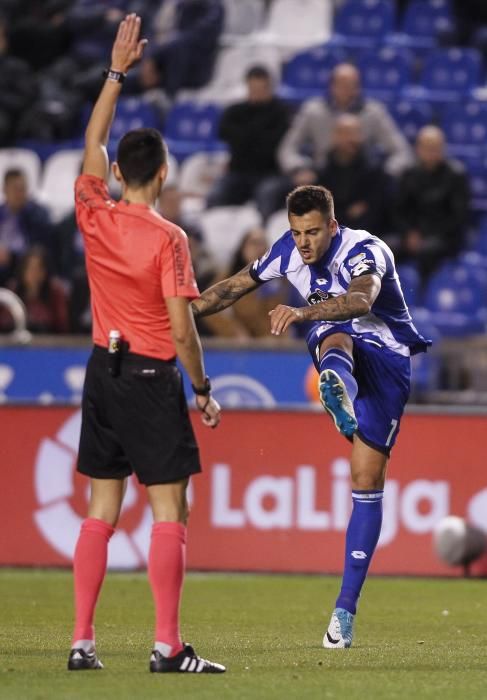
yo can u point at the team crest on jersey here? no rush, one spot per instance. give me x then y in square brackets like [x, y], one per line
[317, 296]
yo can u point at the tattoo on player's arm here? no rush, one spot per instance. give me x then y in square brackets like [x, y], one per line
[357, 301]
[224, 293]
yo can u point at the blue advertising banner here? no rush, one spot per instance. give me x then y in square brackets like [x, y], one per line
[241, 378]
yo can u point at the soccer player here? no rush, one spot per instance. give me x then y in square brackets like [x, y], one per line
[134, 412]
[360, 343]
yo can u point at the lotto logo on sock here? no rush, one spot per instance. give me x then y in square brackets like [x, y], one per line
[358, 554]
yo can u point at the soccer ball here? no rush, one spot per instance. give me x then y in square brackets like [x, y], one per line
[456, 542]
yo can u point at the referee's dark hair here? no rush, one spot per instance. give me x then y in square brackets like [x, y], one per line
[140, 154]
[308, 198]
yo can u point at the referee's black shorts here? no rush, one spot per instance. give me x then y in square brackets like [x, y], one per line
[136, 422]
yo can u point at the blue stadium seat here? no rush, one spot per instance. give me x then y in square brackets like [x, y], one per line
[191, 127]
[385, 72]
[364, 23]
[307, 73]
[133, 113]
[477, 171]
[450, 74]
[457, 298]
[410, 283]
[465, 127]
[411, 116]
[480, 244]
[424, 22]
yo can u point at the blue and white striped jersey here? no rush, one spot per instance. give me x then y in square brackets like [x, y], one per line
[351, 254]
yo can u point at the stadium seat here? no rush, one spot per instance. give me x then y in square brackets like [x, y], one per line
[465, 127]
[411, 116]
[133, 113]
[241, 19]
[191, 127]
[199, 172]
[224, 228]
[477, 171]
[297, 28]
[449, 75]
[26, 160]
[457, 298]
[307, 73]
[410, 283]
[277, 224]
[424, 22]
[228, 81]
[385, 72]
[363, 23]
[57, 186]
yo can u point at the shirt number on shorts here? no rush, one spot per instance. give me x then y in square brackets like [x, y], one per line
[394, 424]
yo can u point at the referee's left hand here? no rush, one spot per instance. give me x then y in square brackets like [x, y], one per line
[210, 410]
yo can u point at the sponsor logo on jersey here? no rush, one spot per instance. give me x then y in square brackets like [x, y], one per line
[317, 296]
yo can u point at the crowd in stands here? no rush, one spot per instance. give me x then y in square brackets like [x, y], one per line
[336, 123]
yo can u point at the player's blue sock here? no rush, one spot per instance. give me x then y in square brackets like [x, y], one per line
[342, 364]
[362, 536]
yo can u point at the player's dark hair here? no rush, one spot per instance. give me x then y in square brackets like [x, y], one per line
[308, 198]
[140, 154]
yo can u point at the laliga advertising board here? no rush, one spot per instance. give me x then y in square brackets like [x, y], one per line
[275, 495]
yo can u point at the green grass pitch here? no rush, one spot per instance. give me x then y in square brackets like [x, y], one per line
[415, 639]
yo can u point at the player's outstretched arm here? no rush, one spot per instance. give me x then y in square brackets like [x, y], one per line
[127, 49]
[357, 301]
[224, 293]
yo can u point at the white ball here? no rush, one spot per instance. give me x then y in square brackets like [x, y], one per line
[456, 542]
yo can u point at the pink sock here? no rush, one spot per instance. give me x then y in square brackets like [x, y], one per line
[167, 556]
[89, 567]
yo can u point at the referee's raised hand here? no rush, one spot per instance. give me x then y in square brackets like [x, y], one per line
[210, 410]
[127, 48]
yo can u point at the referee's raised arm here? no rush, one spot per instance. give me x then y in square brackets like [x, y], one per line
[127, 49]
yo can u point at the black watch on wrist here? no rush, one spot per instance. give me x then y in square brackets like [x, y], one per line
[115, 75]
[202, 390]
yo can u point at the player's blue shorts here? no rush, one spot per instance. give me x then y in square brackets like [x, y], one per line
[383, 377]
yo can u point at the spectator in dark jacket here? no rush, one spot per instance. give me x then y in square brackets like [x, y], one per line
[252, 129]
[359, 187]
[23, 222]
[432, 205]
[18, 88]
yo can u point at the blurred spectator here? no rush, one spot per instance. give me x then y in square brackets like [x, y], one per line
[360, 188]
[170, 206]
[304, 149]
[23, 222]
[249, 316]
[18, 88]
[313, 124]
[184, 45]
[432, 205]
[43, 295]
[253, 130]
[39, 31]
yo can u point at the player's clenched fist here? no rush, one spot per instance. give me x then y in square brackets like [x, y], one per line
[282, 317]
